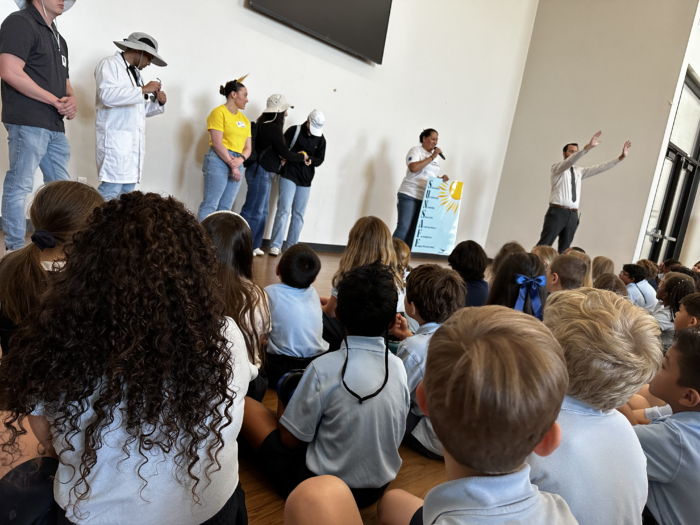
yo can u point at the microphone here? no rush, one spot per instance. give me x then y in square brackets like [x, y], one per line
[441, 156]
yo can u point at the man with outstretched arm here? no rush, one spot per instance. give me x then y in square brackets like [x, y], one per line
[36, 97]
[561, 219]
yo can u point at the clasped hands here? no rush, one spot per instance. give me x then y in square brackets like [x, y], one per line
[307, 159]
[66, 106]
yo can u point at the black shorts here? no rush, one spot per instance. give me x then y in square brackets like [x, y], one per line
[257, 387]
[278, 365]
[233, 512]
[417, 518]
[410, 440]
[286, 468]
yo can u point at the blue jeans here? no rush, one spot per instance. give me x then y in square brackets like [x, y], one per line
[409, 209]
[257, 201]
[30, 148]
[113, 190]
[220, 189]
[291, 198]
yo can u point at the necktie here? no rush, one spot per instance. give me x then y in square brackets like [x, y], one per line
[573, 185]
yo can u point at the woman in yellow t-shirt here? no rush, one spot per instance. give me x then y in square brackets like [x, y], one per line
[230, 141]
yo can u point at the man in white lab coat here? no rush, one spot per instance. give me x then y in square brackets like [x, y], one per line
[123, 102]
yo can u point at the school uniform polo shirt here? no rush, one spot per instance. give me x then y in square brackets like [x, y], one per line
[356, 442]
[297, 321]
[45, 53]
[599, 467]
[672, 448]
[413, 351]
[491, 500]
[642, 294]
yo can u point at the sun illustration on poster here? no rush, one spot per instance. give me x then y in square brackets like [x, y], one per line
[450, 195]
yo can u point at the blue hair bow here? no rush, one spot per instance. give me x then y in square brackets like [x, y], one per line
[531, 284]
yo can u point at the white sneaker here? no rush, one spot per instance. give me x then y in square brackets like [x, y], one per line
[258, 251]
[274, 251]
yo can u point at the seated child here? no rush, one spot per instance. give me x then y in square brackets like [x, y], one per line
[672, 444]
[612, 349]
[347, 416]
[494, 383]
[469, 260]
[588, 279]
[612, 283]
[641, 293]
[566, 272]
[671, 290]
[689, 312]
[296, 337]
[245, 301]
[433, 294]
[403, 259]
[520, 284]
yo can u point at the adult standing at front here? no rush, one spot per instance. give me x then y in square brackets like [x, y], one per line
[230, 145]
[36, 96]
[270, 149]
[122, 103]
[561, 219]
[295, 180]
[422, 164]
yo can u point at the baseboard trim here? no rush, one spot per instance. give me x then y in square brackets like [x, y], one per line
[340, 248]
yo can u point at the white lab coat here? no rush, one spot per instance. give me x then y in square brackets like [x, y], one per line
[120, 122]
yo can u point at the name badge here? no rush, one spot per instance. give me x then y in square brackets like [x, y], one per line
[241, 124]
[63, 59]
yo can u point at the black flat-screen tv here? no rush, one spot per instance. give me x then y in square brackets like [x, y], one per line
[356, 26]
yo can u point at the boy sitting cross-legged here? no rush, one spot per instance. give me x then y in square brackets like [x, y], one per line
[494, 382]
[672, 444]
[296, 336]
[347, 415]
[612, 349]
[433, 294]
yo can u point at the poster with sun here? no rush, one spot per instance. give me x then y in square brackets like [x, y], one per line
[436, 231]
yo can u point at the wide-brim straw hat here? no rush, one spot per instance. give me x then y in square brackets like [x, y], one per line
[142, 42]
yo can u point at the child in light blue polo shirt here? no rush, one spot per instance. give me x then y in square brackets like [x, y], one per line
[347, 415]
[672, 444]
[612, 349]
[295, 312]
[494, 382]
[433, 294]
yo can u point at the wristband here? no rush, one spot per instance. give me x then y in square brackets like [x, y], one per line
[244, 158]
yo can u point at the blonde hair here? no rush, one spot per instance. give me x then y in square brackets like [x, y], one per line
[612, 347]
[369, 242]
[588, 280]
[494, 380]
[601, 265]
[546, 253]
[650, 267]
[403, 254]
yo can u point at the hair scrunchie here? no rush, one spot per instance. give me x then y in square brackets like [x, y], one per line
[43, 239]
[532, 286]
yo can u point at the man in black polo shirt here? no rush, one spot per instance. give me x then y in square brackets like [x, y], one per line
[295, 180]
[36, 96]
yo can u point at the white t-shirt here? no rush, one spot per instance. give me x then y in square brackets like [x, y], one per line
[414, 184]
[118, 496]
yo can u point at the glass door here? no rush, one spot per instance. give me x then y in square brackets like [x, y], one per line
[678, 183]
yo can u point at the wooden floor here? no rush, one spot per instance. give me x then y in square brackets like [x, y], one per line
[417, 475]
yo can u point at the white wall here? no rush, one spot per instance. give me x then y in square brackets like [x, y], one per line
[599, 64]
[454, 65]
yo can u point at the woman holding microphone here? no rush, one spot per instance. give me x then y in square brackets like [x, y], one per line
[230, 145]
[422, 164]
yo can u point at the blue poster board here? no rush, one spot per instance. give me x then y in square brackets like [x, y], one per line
[436, 231]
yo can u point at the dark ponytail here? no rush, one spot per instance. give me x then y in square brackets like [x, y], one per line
[426, 133]
[233, 86]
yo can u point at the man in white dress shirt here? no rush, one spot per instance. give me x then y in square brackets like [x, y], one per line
[123, 102]
[561, 219]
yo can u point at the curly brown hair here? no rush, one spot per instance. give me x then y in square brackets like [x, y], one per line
[134, 323]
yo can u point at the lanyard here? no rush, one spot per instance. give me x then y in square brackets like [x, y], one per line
[386, 373]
